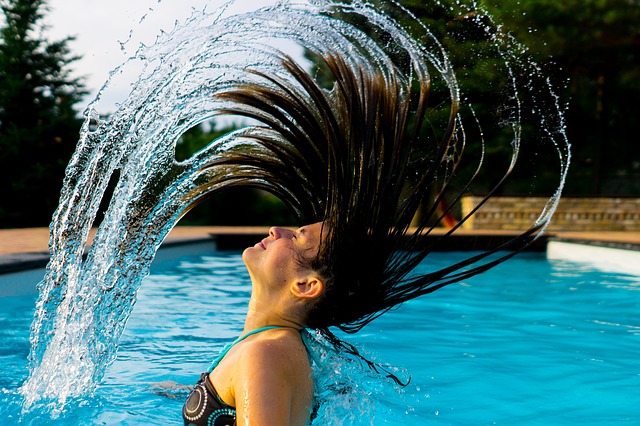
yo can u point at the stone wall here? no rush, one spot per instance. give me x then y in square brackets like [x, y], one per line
[572, 214]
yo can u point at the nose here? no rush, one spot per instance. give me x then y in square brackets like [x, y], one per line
[277, 232]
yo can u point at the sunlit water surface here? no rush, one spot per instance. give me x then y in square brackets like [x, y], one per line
[531, 342]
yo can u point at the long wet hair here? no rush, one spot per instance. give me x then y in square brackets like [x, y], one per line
[355, 158]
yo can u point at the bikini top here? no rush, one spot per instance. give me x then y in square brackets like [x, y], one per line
[204, 406]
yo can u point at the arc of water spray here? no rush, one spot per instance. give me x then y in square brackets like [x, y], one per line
[84, 303]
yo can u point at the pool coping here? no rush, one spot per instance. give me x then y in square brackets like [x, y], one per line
[32, 253]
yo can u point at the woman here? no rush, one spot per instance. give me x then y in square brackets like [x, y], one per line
[266, 376]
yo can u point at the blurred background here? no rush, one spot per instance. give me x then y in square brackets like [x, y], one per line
[54, 56]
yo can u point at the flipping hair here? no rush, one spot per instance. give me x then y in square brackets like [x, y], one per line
[357, 157]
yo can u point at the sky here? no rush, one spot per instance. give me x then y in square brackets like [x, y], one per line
[101, 26]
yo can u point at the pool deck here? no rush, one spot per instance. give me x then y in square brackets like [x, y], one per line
[27, 248]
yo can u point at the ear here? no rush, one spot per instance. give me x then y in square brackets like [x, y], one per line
[310, 287]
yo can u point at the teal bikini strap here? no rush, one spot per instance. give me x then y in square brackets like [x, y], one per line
[227, 348]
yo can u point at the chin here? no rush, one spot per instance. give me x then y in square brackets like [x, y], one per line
[248, 254]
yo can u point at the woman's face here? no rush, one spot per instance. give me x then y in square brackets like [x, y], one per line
[280, 258]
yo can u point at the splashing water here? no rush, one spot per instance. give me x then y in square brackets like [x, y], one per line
[84, 303]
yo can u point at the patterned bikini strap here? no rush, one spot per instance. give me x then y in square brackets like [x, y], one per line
[227, 348]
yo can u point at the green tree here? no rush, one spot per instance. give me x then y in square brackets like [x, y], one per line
[38, 125]
[590, 48]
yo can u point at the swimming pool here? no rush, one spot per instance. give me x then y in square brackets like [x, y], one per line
[533, 341]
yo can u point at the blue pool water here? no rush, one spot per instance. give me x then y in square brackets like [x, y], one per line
[534, 341]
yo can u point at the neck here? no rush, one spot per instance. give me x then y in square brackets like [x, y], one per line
[263, 314]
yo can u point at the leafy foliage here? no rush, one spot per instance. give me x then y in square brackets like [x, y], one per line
[590, 48]
[38, 124]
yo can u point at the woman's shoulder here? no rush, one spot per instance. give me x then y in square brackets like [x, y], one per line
[274, 374]
[275, 356]
[277, 346]
[278, 361]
